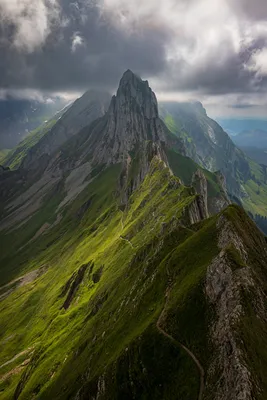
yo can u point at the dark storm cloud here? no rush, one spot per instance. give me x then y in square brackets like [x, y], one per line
[53, 46]
[223, 70]
[226, 76]
[84, 50]
[253, 9]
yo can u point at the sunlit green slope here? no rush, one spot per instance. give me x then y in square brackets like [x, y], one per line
[81, 317]
[14, 157]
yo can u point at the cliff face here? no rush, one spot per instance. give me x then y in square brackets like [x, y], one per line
[132, 119]
[211, 204]
[136, 167]
[228, 288]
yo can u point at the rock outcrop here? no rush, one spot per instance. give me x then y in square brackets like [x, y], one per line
[199, 182]
[210, 204]
[135, 170]
[132, 120]
[225, 288]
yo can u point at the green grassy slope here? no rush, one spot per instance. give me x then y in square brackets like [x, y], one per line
[14, 158]
[256, 188]
[173, 126]
[184, 168]
[3, 154]
[103, 242]
[86, 321]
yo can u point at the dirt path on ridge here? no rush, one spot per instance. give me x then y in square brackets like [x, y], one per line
[178, 344]
[122, 238]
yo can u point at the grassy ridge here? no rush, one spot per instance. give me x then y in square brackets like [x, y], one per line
[3, 155]
[184, 168]
[14, 158]
[50, 328]
[108, 333]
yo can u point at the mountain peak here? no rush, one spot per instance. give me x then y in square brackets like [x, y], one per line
[130, 75]
[134, 94]
[132, 79]
[198, 106]
[132, 119]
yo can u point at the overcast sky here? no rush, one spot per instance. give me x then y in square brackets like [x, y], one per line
[211, 50]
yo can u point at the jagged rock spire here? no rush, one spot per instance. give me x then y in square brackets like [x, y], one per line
[136, 91]
[132, 119]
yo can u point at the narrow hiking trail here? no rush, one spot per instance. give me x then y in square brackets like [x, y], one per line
[17, 356]
[163, 332]
[128, 241]
[122, 238]
[178, 344]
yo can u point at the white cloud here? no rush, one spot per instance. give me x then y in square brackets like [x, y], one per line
[204, 32]
[27, 94]
[258, 62]
[32, 20]
[207, 36]
[77, 41]
[204, 47]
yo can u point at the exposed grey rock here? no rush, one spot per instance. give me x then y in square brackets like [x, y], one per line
[75, 182]
[197, 210]
[128, 182]
[22, 207]
[199, 182]
[223, 290]
[228, 235]
[211, 204]
[222, 181]
[83, 111]
[101, 387]
[224, 287]
[132, 119]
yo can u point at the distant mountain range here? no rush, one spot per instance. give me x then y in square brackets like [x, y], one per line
[254, 144]
[19, 117]
[234, 126]
[130, 266]
[256, 138]
[210, 146]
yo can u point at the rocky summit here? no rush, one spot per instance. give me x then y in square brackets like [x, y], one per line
[129, 266]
